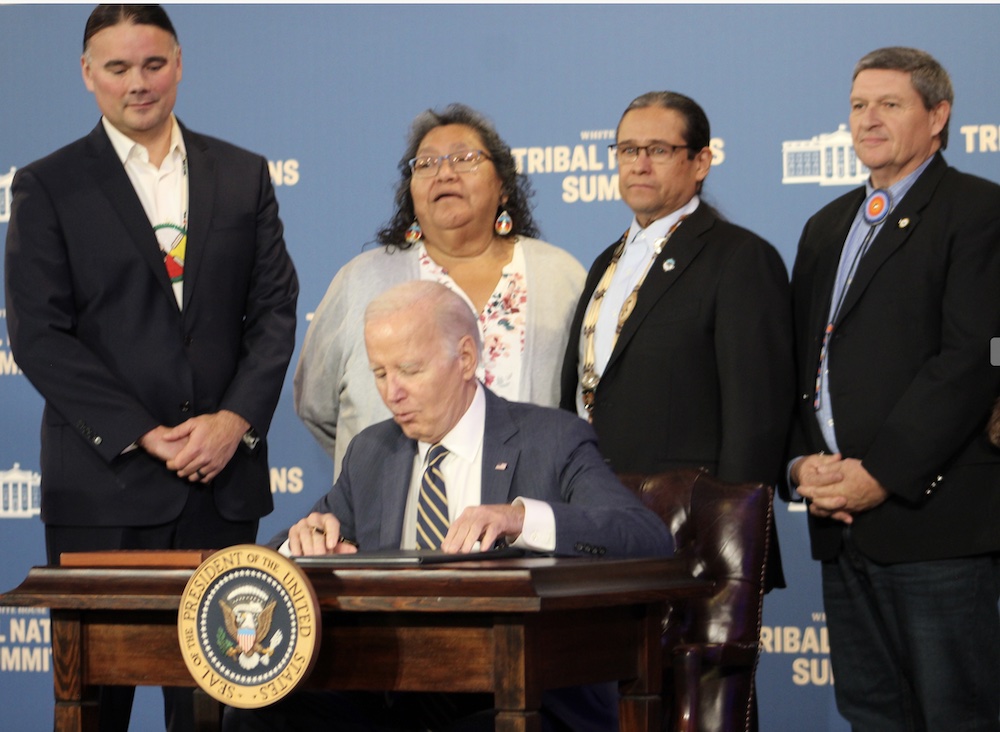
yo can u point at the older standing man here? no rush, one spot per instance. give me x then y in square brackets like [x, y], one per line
[896, 297]
[151, 301]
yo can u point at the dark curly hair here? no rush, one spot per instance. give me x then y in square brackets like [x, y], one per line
[514, 185]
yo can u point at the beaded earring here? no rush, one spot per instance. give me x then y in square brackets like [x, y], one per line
[503, 224]
[414, 233]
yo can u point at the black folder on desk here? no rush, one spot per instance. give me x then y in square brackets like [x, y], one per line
[405, 558]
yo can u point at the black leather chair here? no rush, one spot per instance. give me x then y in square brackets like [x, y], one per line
[711, 644]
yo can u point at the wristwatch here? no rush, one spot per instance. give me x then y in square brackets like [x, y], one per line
[251, 439]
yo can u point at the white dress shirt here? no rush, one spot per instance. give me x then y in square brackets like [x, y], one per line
[163, 190]
[462, 471]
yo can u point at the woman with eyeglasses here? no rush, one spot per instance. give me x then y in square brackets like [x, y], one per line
[461, 218]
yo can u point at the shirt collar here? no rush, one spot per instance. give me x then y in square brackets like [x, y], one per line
[659, 228]
[125, 146]
[466, 438]
[900, 188]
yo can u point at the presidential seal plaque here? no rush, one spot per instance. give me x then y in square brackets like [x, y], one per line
[249, 626]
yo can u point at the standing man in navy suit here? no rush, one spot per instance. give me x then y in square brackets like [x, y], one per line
[527, 474]
[896, 295]
[151, 301]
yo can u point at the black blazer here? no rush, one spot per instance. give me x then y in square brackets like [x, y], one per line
[701, 375]
[94, 325]
[910, 378]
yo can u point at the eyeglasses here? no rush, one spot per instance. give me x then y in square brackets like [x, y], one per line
[658, 152]
[464, 161]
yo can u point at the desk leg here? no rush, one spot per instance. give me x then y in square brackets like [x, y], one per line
[641, 707]
[517, 697]
[75, 707]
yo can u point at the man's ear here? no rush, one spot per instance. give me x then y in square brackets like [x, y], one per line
[703, 163]
[939, 117]
[468, 356]
[85, 72]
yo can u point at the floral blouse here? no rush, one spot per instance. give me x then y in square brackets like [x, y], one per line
[501, 323]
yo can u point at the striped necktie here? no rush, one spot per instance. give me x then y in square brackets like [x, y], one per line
[432, 509]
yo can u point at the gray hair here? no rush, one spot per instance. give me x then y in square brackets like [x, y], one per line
[928, 77]
[451, 315]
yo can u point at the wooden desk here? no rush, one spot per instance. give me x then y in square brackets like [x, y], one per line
[511, 627]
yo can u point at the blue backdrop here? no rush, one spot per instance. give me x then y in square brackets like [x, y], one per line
[326, 93]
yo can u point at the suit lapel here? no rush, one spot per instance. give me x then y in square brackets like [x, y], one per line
[201, 199]
[500, 452]
[825, 274]
[902, 222]
[114, 183]
[396, 470]
[668, 266]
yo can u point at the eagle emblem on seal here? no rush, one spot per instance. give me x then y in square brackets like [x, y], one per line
[248, 612]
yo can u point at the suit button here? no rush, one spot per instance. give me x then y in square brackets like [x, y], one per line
[185, 406]
[579, 547]
[98, 440]
[187, 340]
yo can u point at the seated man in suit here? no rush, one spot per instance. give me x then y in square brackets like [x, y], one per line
[528, 474]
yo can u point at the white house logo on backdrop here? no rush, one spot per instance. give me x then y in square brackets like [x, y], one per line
[827, 159]
[588, 167]
[20, 493]
[6, 180]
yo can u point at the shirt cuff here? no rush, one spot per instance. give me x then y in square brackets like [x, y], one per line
[538, 532]
[793, 488]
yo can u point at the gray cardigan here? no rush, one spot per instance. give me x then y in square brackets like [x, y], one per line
[334, 389]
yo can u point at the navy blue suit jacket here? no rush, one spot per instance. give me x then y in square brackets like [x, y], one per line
[94, 325]
[528, 451]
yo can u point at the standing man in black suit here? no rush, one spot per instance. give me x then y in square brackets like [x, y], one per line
[681, 349]
[151, 301]
[896, 296]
